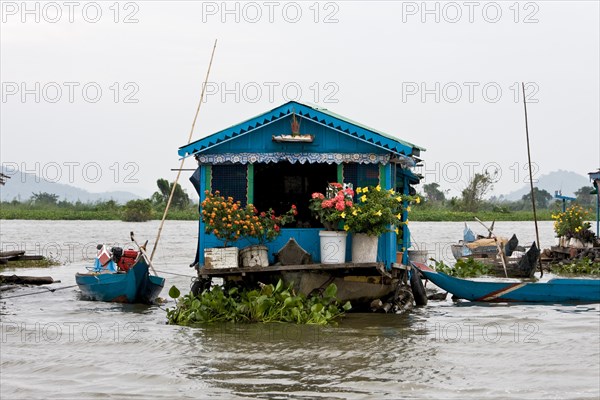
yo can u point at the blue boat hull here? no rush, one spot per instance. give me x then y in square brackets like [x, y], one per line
[553, 291]
[134, 286]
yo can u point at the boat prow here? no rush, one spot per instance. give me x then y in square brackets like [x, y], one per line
[554, 291]
[134, 286]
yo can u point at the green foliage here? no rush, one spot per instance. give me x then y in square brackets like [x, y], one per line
[43, 198]
[137, 211]
[331, 208]
[229, 221]
[377, 210]
[160, 198]
[573, 224]
[464, 268]
[472, 195]
[267, 304]
[542, 198]
[585, 266]
[433, 193]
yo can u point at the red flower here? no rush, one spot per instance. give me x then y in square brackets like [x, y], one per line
[276, 227]
[317, 195]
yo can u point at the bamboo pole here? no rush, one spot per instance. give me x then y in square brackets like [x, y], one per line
[537, 233]
[499, 246]
[162, 222]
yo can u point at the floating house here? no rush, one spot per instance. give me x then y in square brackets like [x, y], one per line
[282, 156]
[595, 178]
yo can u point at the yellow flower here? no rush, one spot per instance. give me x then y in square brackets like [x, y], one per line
[399, 216]
[343, 215]
[397, 231]
[365, 190]
[355, 212]
[378, 213]
[399, 198]
[391, 191]
[408, 208]
[346, 227]
[363, 198]
[358, 190]
[418, 200]
[378, 188]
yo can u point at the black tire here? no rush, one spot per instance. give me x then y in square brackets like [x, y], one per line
[418, 290]
[200, 285]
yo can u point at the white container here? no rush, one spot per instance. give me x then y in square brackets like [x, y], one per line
[333, 247]
[254, 256]
[418, 256]
[364, 248]
[221, 257]
[576, 243]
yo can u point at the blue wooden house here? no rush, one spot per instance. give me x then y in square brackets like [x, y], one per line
[282, 156]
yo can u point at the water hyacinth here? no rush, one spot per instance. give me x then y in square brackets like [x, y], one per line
[270, 303]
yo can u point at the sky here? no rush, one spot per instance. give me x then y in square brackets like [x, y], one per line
[101, 95]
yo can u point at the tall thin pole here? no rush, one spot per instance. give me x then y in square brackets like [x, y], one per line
[162, 222]
[537, 233]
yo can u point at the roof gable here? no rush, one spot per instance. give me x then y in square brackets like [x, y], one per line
[316, 115]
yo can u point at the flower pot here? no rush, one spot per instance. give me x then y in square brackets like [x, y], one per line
[364, 248]
[399, 257]
[221, 257]
[576, 243]
[254, 256]
[418, 256]
[333, 247]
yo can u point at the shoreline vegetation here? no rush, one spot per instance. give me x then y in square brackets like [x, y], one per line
[432, 207]
[102, 212]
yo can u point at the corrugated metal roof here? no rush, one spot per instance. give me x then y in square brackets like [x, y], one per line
[319, 115]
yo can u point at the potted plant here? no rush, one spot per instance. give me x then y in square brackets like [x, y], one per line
[228, 220]
[331, 209]
[264, 227]
[377, 211]
[572, 229]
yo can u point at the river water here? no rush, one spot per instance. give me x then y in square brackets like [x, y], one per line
[56, 346]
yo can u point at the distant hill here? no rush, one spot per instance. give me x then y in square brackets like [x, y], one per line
[21, 186]
[567, 181]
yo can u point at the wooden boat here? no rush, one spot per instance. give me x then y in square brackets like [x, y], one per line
[553, 291]
[518, 265]
[134, 286]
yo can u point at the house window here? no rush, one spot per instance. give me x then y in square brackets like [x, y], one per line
[279, 185]
[230, 180]
[361, 175]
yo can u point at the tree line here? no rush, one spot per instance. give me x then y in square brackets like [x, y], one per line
[134, 210]
[472, 198]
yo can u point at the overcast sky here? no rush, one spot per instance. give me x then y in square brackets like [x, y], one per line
[444, 76]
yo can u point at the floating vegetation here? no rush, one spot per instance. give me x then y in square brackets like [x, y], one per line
[464, 268]
[584, 266]
[267, 304]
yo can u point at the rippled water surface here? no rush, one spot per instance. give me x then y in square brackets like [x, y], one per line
[56, 346]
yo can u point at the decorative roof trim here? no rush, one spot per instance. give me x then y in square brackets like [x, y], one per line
[302, 158]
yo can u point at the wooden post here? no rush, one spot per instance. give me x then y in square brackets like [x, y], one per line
[162, 222]
[537, 233]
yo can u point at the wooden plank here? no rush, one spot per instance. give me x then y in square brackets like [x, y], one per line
[12, 253]
[26, 280]
[278, 268]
